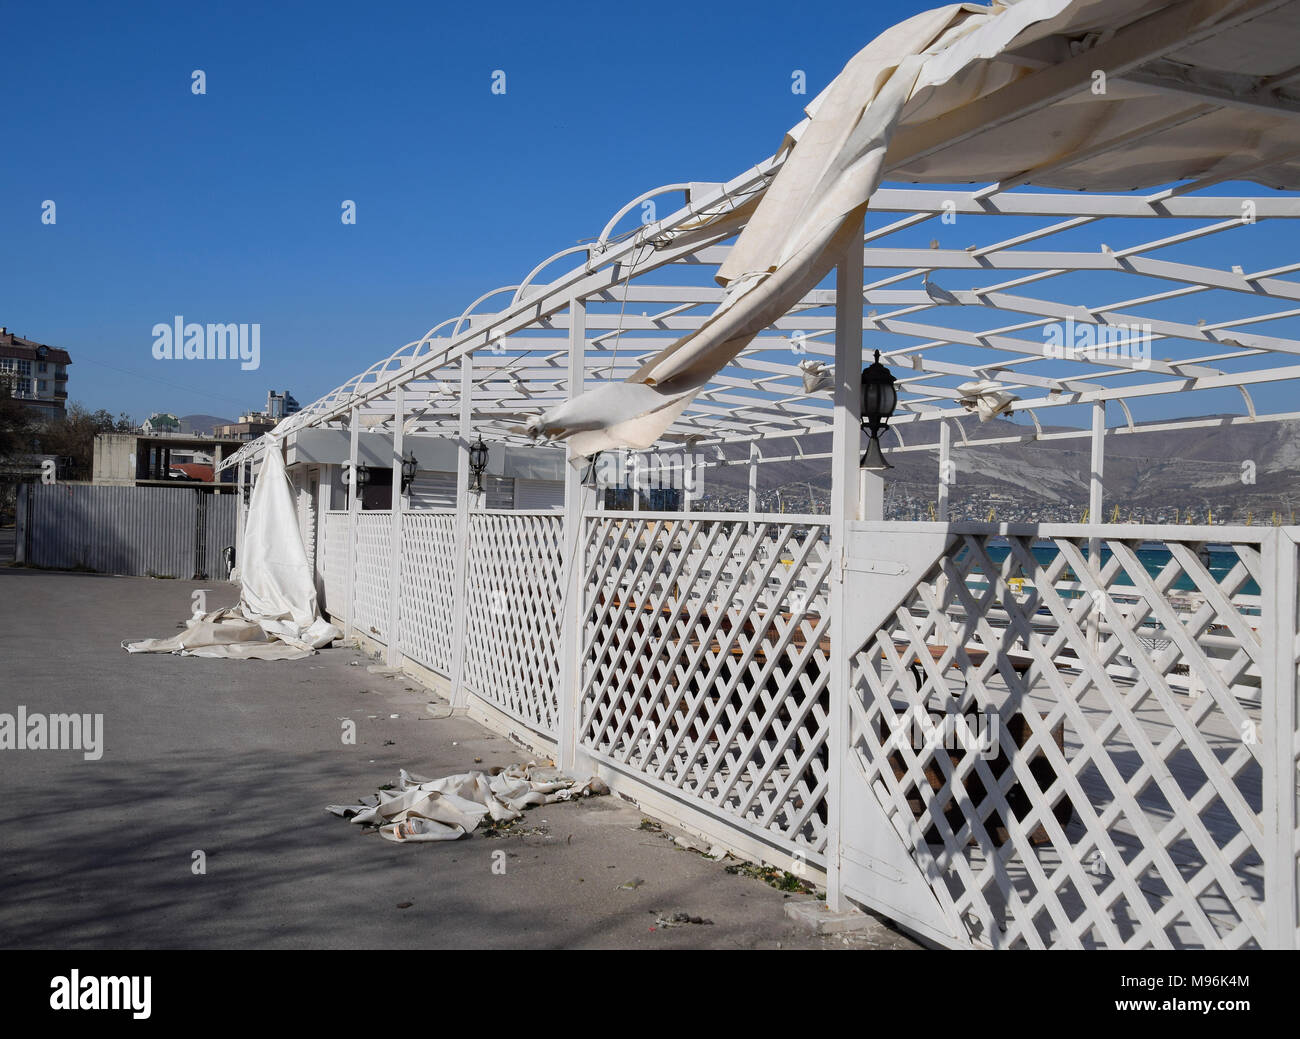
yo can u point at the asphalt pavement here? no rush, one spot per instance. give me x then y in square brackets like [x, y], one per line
[236, 760]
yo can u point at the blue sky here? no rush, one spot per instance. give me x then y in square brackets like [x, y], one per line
[225, 207]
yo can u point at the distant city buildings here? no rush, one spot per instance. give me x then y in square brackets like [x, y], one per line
[252, 424]
[161, 422]
[249, 427]
[281, 405]
[153, 458]
[35, 373]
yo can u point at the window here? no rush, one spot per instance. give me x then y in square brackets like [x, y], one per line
[42, 368]
[42, 385]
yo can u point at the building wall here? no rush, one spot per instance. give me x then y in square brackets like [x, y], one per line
[115, 461]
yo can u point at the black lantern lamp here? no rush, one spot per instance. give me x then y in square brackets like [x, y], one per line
[362, 475]
[478, 460]
[879, 398]
[408, 471]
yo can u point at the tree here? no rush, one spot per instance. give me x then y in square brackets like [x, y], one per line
[72, 436]
[19, 431]
[19, 426]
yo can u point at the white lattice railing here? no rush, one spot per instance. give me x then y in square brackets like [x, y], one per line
[427, 624]
[1137, 783]
[705, 644]
[1102, 799]
[513, 613]
[335, 561]
[374, 533]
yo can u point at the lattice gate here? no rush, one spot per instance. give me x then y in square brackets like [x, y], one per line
[373, 560]
[427, 609]
[1075, 737]
[513, 614]
[704, 667]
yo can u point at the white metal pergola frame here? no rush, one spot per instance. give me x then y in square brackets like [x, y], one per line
[489, 371]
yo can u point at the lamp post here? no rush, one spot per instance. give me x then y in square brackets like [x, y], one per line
[478, 460]
[879, 398]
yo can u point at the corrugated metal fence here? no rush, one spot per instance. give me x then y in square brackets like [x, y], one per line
[140, 531]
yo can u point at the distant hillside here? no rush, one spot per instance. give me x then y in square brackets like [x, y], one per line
[1146, 473]
[202, 424]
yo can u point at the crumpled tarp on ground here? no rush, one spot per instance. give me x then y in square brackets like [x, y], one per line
[230, 634]
[422, 809]
[276, 618]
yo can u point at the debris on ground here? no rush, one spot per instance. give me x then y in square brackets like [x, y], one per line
[631, 885]
[679, 919]
[781, 879]
[491, 828]
[422, 809]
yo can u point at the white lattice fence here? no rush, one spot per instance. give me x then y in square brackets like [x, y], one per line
[705, 649]
[1026, 721]
[513, 600]
[336, 561]
[374, 533]
[428, 588]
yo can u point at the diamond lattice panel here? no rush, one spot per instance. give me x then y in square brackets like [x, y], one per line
[374, 533]
[336, 562]
[514, 594]
[1072, 748]
[428, 588]
[705, 647]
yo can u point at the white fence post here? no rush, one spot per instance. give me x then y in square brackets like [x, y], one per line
[397, 504]
[460, 590]
[753, 476]
[1096, 504]
[844, 502]
[576, 502]
[1278, 624]
[239, 516]
[354, 507]
[945, 471]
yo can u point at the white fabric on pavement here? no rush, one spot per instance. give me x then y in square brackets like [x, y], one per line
[276, 618]
[421, 809]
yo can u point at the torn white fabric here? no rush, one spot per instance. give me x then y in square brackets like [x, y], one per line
[986, 398]
[817, 375]
[916, 103]
[277, 580]
[276, 618]
[228, 633]
[421, 809]
[807, 218]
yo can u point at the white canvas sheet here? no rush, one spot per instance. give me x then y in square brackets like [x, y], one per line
[932, 67]
[421, 809]
[276, 618]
